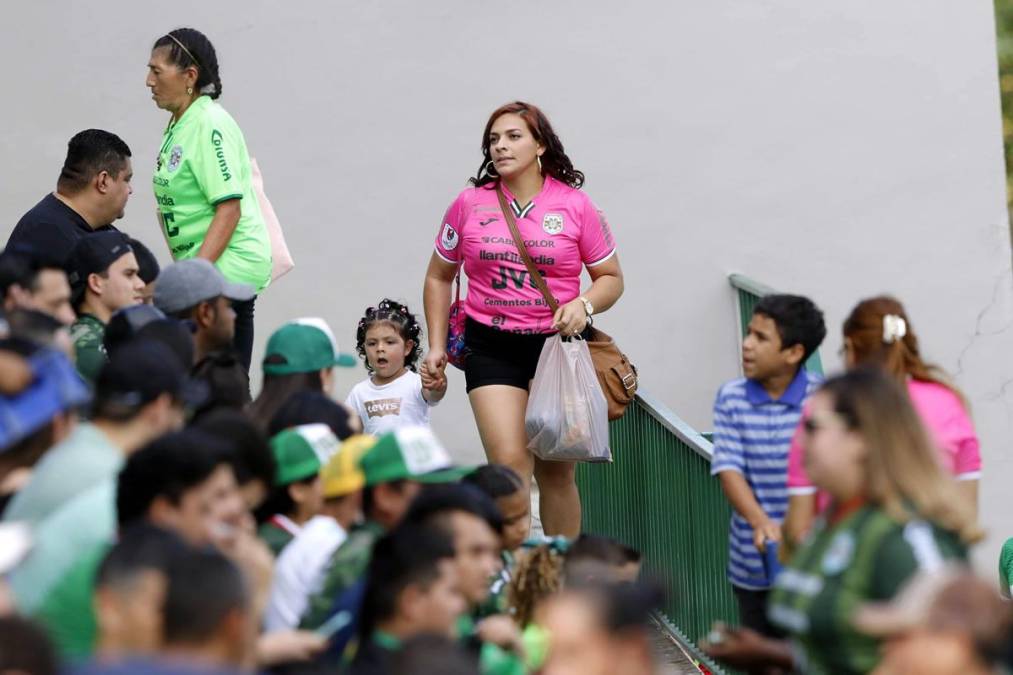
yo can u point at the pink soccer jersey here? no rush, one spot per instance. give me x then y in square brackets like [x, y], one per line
[944, 416]
[563, 231]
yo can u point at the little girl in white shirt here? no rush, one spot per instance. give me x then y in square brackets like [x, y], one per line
[394, 394]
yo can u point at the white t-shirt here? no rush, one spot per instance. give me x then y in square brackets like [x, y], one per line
[299, 571]
[390, 406]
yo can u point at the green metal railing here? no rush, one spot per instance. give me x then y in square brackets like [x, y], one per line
[748, 293]
[658, 495]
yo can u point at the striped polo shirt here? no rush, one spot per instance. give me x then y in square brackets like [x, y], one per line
[752, 433]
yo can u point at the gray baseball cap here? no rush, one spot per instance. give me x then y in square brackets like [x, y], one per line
[186, 283]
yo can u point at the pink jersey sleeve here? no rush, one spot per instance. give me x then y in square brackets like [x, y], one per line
[798, 479]
[951, 428]
[963, 442]
[448, 239]
[596, 244]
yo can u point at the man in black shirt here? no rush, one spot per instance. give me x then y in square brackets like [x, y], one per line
[91, 193]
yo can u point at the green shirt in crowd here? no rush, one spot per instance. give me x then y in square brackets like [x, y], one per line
[275, 536]
[87, 334]
[78, 463]
[203, 161]
[346, 566]
[866, 557]
[1006, 569]
[60, 541]
[67, 612]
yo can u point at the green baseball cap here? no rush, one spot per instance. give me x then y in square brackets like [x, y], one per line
[302, 346]
[300, 451]
[411, 453]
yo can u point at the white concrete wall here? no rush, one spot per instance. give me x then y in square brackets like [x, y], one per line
[834, 149]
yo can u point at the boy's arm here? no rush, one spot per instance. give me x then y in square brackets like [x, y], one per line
[741, 497]
[728, 464]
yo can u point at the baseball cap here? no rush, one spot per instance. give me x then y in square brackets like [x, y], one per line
[302, 346]
[56, 388]
[411, 453]
[186, 283]
[141, 371]
[300, 451]
[342, 474]
[93, 254]
[124, 324]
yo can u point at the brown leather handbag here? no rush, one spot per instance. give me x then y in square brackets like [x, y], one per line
[616, 375]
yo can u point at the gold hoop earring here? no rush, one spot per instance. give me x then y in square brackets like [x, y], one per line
[189, 91]
[539, 158]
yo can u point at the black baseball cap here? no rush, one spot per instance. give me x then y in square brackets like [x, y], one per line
[124, 324]
[141, 371]
[93, 254]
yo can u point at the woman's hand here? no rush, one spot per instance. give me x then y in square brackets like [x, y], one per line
[571, 318]
[434, 383]
[435, 363]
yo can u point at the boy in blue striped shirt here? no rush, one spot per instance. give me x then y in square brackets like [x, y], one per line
[754, 420]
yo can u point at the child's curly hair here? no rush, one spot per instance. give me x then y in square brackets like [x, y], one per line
[404, 322]
[536, 576]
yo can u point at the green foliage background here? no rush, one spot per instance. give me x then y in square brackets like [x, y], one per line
[1004, 31]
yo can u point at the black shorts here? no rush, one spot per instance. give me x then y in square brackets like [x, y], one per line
[499, 357]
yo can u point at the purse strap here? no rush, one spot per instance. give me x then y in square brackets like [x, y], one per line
[536, 276]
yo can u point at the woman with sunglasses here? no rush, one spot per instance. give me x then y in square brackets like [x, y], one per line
[893, 513]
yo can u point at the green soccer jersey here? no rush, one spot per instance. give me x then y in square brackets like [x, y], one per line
[203, 162]
[1006, 569]
[275, 537]
[88, 335]
[346, 566]
[866, 557]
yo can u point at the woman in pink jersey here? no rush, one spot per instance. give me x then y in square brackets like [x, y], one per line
[507, 319]
[878, 333]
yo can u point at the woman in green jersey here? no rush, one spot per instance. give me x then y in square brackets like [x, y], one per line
[894, 513]
[206, 203]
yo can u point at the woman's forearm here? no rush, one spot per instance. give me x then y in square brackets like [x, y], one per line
[436, 303]
[221, 229]
[605, 291]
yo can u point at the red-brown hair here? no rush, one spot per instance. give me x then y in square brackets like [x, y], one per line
[555, 163]
[901, 358]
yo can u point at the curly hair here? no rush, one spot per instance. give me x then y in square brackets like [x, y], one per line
[404, 322]
[555, 162]
[537, 576]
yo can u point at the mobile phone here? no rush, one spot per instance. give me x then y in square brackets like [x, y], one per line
[334, 624]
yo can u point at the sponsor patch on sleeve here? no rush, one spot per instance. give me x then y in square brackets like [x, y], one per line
[449, 238]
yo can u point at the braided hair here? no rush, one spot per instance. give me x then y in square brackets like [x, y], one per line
[190, 47]
[537, 576]
[404, 322]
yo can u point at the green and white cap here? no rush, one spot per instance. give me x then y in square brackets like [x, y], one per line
[410, 453]
[303, 346]
[300, 451]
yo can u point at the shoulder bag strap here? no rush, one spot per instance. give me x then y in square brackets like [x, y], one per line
[536, 276]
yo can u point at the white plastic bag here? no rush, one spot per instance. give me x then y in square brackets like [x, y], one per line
[567, 415]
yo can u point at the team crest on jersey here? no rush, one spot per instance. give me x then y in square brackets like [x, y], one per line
[839, 553]
[552, 223]
[449, 237]
[175, 157]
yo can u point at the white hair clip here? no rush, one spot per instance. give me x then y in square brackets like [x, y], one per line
[894, 328]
